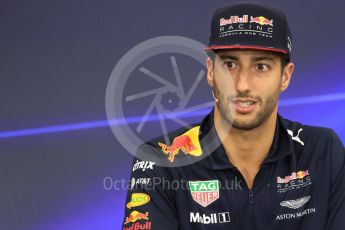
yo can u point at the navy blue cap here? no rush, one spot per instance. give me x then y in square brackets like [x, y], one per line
[250, 26]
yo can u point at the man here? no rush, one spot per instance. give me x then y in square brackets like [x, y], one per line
[283, 174]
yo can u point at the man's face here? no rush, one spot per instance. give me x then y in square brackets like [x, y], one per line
[248, 84]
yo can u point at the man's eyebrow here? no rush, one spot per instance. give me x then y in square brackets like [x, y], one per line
[256, 58]
[263, 58]
[229, 57]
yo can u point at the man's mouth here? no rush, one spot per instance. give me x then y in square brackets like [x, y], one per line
[244, 105]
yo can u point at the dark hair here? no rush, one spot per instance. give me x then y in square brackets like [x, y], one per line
[284, 60]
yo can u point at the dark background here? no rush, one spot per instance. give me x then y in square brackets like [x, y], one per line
[55, 61]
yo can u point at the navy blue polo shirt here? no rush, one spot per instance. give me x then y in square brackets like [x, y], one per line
[300, 185]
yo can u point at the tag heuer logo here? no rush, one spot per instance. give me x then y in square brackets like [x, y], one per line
[204, 192]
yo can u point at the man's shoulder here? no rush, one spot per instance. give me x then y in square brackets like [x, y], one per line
[307, 133]
[314, 129]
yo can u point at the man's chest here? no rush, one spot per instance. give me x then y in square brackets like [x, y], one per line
[280, 198]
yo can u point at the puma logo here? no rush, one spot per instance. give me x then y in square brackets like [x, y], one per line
[295, 138]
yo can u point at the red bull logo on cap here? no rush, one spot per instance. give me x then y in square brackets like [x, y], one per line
[135, 216]
[233, 20]
[188, 142]
[261, 20]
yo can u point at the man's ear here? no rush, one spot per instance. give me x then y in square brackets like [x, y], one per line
[210, 73]
[287, 73]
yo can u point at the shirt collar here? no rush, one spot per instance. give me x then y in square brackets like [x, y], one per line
[217, 158]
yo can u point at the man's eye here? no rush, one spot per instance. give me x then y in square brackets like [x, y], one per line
[262, 67]
[229, 64]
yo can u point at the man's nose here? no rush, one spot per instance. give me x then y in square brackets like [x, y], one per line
[242, 80]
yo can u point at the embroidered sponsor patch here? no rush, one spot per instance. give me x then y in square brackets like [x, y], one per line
[138, 199]
[295, 138]
[188, 143]
[204, 192]
[143, 165]
[135, 216]
[296, 215]
[214, 218]
[296, 180]
[295, 204]
[246, 25]
[135, 226]
[139, 181]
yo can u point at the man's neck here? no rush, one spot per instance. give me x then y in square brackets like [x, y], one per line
[246, 149]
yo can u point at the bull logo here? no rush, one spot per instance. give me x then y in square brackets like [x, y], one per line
[135, 216]
[188, 142]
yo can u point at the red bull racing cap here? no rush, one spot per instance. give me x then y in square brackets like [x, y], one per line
[250, 26]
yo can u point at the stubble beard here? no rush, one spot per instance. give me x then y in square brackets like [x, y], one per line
[267, 107]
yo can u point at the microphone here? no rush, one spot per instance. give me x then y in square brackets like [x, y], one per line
[215, 99]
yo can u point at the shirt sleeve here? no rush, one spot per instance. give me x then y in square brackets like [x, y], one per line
[150, 202]
[336, 208]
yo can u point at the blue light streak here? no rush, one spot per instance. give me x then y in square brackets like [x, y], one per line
[136, 119]
[313, 99]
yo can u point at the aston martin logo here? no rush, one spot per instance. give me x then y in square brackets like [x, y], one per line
[295, 204]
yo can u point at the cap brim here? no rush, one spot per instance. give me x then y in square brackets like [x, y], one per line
[212, 48]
